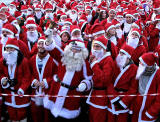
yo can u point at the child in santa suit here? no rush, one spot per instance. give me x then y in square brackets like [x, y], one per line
[15, 79]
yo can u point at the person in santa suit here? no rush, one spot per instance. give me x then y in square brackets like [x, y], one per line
[102, 65]
[154, 32]
[30, 11]
[123, 83]
[89, 14]
[127, 24]
[12, 8]
[15, 79]
[110, 34]
[146, 107]
[134, 40]
[9, 31]
[38, 13]
[102, 15]
[32, 35]
[65, 37]
[48, 15]
[73, 78]
[42, 68]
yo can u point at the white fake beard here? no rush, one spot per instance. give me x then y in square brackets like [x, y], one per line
[12, 11]
[98, 53]
[74, 62]
[49, 15]
[4, 39]
[121, 60]
[73, 17]
[133, 42]
[114, 40]
[29, 13]
[140, 71]
[32, 36]
[39, 15]
[121, 21]
[10, 57]
[89, 18]
[119, 33]
[127, 27]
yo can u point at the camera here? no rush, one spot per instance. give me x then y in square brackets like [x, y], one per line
[12, 82]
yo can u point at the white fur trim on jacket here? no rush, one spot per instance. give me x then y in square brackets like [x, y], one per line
[55, 78]
[45, 83]
[65, 113]
[93, 63]
[4, 87]
[32, 84]
[122, 104]
[115, 99]
[148, 115]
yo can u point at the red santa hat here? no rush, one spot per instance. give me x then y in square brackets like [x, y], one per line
[136, 24]
[112, 9]
[149, 59]
[83, 18]
[102, 41]
[97, 29]
[60, 5]
[74, 28]
[42, 39]
[38, 7]
[63, 15]
[108, 26]
[68, 21]
[157, 17]
[119, 14]
[2, 6]
[11, 19]
[23, 8]
[30, 7]
[64, 31]
[9, 28]
[88, 8]
[48, 6]
[137, 31]
[129, 13]
[87, 31]
[82, 24]
[12, 42]
[30, 23]
[13, 3]
[127, 50]
[116, 23]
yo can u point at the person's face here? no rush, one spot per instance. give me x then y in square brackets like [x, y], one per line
[104, 14]
[65, 37]
[63, 18]
[40, 46]
[76, 34]
[2, 16]
[129, 19]
[112, 31]
[97, 46]
[120, 18]
[48, 11]
[88, 12]
[112, 14]
[10, 49]
[37, 10]
[31, 28]
[6, 33]
[12, 6]
[134, 35]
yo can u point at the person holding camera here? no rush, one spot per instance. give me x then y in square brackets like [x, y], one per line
[15, 79]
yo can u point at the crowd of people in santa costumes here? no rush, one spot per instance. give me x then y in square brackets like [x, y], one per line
[80, 60]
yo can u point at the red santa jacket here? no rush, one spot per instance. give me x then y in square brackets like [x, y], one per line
[67, 107]
[48, 70]
[146, 108]
[102, 76]
[123, 83]
[22, 74]
[154, 37]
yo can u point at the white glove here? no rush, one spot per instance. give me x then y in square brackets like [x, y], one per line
[82, 87]
[20, 92]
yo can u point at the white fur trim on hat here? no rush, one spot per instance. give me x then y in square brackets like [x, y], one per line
[100, 43]
[134, 24]
[31, 25]
[112, 26]
[5, 29]
[75, 30]
[136, 33]
[126, 53]
[119, 16]
[130, 15]
[99, 32]
[10, 45]
[67, 22]
[64, 32]
[112, 10]
[141, 60]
